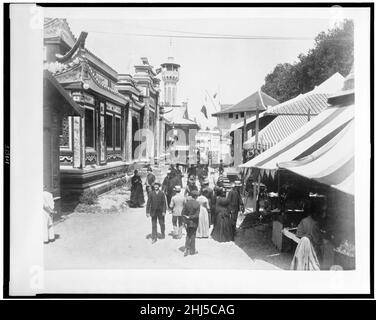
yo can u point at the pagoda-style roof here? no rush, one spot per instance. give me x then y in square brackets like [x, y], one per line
[75, 71]
[57, 31]
[145, 76]
[250, 104]
[53, 89]
[127, 85]
[100, 64]
[178, 115]
[79, 69]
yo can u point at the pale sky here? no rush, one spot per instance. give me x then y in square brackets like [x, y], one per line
[236, 68]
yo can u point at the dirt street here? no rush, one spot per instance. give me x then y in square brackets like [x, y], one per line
[115, 236]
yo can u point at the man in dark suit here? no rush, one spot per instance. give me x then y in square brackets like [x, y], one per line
[150, 179]
[191, 213]
[220, 168]
[156, 209]
[235, 202]
[192, 170]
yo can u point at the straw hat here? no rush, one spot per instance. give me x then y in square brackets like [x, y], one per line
[238, 183]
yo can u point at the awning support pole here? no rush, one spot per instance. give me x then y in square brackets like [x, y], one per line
[255, 192]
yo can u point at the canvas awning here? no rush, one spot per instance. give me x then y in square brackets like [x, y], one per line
[306, 140]
[277, 130]
[332, 164]
[294, 113]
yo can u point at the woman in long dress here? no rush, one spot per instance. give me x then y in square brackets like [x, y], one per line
[137, 199]
[203, 221]
[223, 226]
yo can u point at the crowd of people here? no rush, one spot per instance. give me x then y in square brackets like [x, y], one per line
[204, 212]
[198, 208]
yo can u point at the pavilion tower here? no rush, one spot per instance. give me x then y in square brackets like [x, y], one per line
[170, 77]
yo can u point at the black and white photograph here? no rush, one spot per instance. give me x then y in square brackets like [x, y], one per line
[183, 150]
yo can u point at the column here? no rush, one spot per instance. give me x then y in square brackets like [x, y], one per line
[156, 132]
[78, 142]
[145, 125]
[128, 135]
[97, 132]
[123, 133]
[102, 138]
[162, 137]
[83, 147]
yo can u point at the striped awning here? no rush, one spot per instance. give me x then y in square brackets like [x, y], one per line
[306, 140]
[332, 164]
[276, 131]
[310, 102]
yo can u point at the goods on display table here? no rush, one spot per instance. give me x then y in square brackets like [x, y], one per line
[295, 200]
[344, 255]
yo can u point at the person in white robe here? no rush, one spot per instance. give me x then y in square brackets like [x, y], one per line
[203, 221]
[48, 211]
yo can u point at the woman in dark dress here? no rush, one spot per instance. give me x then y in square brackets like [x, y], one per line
[137, 193]
[223, 226]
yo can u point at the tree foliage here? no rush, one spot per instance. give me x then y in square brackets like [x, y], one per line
[333, 52]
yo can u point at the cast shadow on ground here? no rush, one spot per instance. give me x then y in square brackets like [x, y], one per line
[128, 202]
[56, 237]
[159, 236]
[255, 241]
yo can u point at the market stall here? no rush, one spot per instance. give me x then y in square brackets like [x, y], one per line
[317, 159]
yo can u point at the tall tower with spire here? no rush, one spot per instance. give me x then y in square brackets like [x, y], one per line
[170, 77]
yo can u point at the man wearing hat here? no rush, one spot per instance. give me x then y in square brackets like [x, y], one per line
[170, 181]
[191, 170]
[156, 209]
[150, 179]
[235, 202]
[191, 185]
[176, 205]
[191, 213]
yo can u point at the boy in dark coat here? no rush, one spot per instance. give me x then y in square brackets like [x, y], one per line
[156, 209]
[191, 213]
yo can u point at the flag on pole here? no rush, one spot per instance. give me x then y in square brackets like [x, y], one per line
[204, 111]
